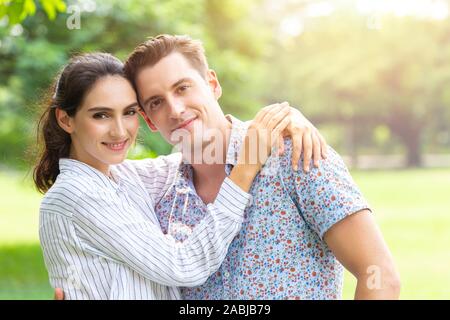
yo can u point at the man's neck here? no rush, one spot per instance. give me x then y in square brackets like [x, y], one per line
[208, 178]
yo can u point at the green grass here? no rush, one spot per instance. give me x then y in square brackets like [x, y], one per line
[411, 207]
[413, 210]
[22, 271]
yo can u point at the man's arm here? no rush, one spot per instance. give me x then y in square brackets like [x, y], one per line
[359, 246]
[334, 207]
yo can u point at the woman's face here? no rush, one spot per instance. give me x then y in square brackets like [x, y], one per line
[106, 124]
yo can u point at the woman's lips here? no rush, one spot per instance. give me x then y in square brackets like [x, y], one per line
[116, 146]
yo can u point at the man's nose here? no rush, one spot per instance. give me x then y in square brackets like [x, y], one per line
[176, 107]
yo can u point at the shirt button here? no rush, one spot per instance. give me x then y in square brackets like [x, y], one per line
[226, 274]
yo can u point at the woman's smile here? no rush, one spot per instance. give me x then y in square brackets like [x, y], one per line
[116, 146]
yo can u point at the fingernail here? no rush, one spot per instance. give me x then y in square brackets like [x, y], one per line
[295, 168]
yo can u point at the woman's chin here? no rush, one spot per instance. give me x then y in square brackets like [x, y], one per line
[116, 159]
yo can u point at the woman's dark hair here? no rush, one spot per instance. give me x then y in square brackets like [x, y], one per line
[74, 82]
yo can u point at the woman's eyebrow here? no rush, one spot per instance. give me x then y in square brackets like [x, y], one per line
[96, 109]
[132, 105]
[101, 108]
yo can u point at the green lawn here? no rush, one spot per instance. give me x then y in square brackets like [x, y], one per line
[412, 208]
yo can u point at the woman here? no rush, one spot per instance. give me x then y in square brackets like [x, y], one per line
[98, 230]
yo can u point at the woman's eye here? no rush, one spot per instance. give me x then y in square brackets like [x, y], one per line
[131, 112]
[100, 116]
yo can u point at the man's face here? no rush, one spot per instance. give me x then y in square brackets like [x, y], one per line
[178, 100]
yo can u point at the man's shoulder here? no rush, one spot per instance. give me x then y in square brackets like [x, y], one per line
[332, 162]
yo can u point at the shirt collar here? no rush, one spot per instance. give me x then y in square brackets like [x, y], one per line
[76, 167]
[238, 131]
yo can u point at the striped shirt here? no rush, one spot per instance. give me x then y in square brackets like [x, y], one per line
[101, 238]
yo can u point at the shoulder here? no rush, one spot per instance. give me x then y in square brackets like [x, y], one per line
[331, 167]
[151, 165]
[174, 158]
[63, 197]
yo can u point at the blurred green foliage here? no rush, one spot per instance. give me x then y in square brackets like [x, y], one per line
[377, 84]
[19, 10]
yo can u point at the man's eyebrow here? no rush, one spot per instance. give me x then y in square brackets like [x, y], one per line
[176, 84]
[172, 86]
[101, 108]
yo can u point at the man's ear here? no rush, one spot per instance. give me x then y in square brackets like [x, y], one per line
[214, 84]
[64, 120]
[148, 121]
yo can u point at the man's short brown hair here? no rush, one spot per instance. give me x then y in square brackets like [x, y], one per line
[154, 49]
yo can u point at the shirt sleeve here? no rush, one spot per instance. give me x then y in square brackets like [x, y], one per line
[114, 230]
[325, 195]
[157, 174]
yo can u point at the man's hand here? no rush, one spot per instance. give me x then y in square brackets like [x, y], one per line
[59, 294]
[358, 244]
[305, 138]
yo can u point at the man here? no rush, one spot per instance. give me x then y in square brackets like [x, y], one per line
[300, 228]
[158, 178]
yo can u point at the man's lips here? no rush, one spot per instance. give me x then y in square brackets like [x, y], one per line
[116, 146]
[184, 124]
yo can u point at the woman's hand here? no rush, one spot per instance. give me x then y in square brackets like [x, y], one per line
[305, 138]
[262, 135]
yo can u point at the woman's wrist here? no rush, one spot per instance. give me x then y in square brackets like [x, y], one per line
[243, 175]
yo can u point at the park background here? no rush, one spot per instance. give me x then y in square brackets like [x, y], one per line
[372, 75]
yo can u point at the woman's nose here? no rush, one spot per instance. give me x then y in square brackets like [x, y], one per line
[118, 129]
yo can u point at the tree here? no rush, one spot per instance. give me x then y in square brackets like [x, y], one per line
[341, 70]
[32, 52]
[18, 10]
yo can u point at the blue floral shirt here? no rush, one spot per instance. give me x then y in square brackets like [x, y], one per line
[280, 252]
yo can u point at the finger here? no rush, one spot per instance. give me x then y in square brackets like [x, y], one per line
[273, 119]
[307, 150]
[59, 294]
[280, 145]
[276, 132]
[296, 150]
[261, 113]
[316, 149]
[323, 145]
[275, 113]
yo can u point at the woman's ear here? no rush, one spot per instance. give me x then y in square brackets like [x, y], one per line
[64, 120]
[148, 121]
[214, 84]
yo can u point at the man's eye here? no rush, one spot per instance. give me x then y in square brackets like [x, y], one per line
[100, 116]
[183, 88]
[155, 104]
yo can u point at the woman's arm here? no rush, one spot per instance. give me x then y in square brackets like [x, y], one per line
[115, 230]
[111, 227]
